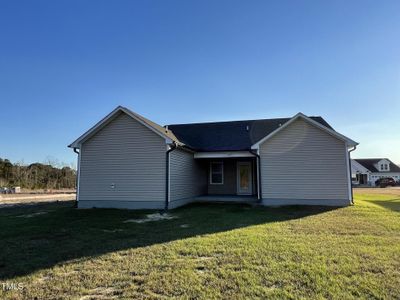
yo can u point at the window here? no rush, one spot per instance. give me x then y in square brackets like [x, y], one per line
[386, 167]
[382, 168]
[216, 173]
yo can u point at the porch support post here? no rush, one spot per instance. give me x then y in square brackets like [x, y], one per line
[258, 160]
[258, 179]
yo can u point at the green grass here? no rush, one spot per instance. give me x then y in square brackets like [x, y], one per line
[222, 251]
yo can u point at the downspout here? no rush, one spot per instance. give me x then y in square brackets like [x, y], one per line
[77, 177]
[173, 147]
[259, 189]
[351, 185]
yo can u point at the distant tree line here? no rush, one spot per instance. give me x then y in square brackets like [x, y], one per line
[36, 175]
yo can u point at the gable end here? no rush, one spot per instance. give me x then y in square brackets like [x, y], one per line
[310, 121]
[111, 116]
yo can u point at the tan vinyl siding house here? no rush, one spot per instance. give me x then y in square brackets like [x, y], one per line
[128, 161]
[303, 164]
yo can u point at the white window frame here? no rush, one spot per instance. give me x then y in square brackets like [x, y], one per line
[222, 172]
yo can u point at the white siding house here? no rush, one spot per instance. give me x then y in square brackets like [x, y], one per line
[366, 171]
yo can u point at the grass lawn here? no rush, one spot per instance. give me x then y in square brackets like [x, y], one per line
[208, 251]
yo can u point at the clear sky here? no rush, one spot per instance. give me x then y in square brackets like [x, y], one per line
[66, 64]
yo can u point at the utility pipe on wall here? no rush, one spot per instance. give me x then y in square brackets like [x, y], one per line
[167, 179]
[351, 185]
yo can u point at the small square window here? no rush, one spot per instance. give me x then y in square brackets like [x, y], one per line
[216, 173]
[216, 167]
[216, 178]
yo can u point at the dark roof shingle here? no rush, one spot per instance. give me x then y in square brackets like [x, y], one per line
[369, 163]
[228, 136]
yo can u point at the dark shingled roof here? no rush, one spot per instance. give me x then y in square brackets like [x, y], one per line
[228, 136]
[368, 163]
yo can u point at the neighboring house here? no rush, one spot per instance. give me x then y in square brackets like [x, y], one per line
[128, 161]
[368, 170]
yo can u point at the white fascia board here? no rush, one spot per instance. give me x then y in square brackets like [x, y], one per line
[223, 154]
[350, 142]
[110, 116]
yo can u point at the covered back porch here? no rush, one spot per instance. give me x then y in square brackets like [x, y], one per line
[232, 176]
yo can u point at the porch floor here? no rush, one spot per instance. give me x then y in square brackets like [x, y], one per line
[227, 198]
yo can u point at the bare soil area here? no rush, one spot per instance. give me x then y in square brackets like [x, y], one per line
[26, 199]
[376, 190]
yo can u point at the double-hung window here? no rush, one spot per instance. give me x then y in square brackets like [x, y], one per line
[216, 173]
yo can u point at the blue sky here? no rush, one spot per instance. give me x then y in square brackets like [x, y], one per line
[66, 64]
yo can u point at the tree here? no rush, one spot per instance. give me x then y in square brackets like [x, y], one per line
[50, 175]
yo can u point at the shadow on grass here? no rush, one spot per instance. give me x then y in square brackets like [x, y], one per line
[40, 236]
[391, 204]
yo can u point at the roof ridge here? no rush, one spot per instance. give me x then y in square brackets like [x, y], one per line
[237, 121]
[380, 158]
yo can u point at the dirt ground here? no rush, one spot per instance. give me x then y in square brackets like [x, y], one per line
[377, 190]
[27, 199]
[47, 191]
